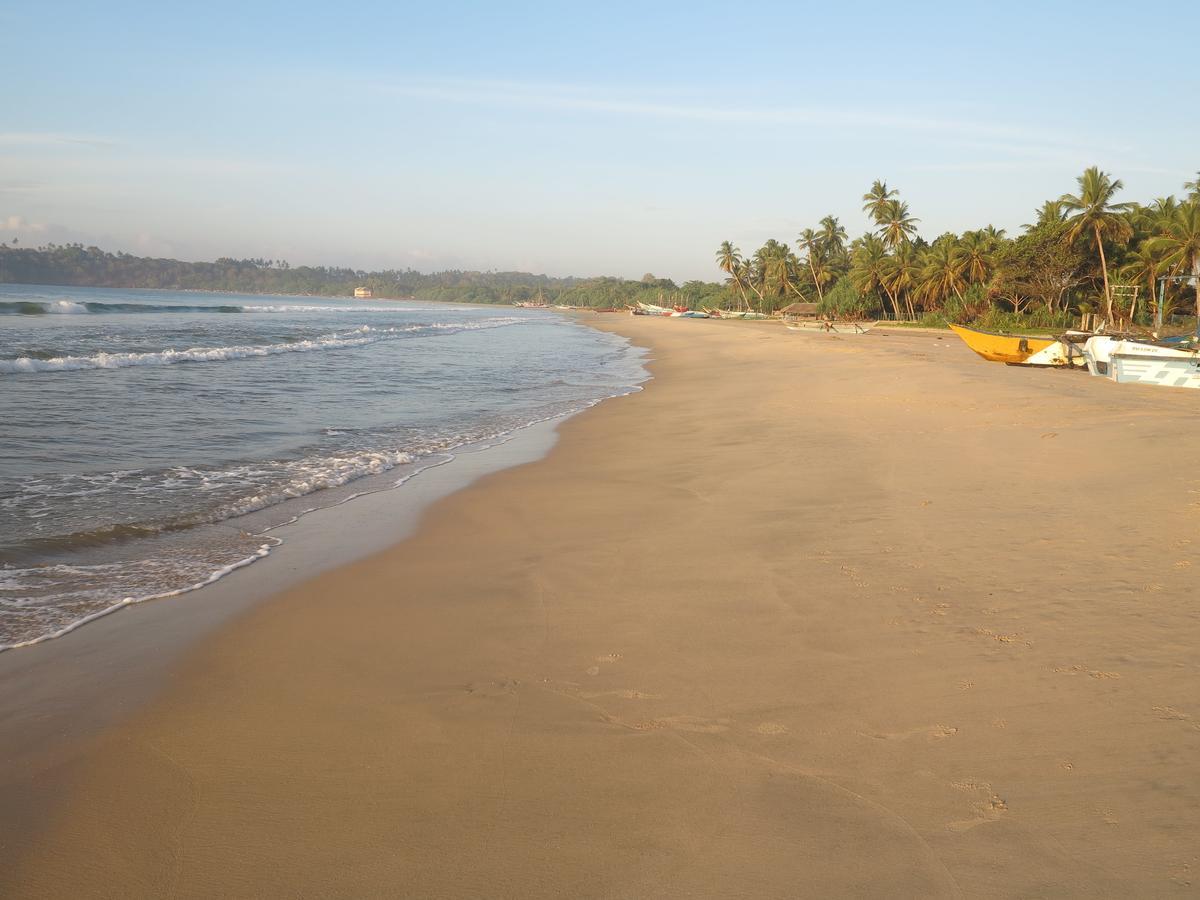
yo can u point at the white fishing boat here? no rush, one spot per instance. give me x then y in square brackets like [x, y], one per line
[1167, 364]
[734, 314]
[828, 326]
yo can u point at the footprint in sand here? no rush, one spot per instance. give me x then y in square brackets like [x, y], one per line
[1003, 638]
[690, 724]
[1066, 766]
[624, 695]
[1084, 670]
[932, 732]
[1169, 712]
[605, 659]
[770, 728]
[987, 805]
[492, 688]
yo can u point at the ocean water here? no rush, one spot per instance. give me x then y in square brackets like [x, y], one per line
[150, 441]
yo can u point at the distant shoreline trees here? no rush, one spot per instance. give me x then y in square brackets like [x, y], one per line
[77, 265]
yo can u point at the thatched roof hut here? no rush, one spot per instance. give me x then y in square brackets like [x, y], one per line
[800, 311]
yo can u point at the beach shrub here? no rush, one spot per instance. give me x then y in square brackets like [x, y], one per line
[845, 302]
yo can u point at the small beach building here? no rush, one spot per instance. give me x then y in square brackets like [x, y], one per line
[363, 293]
[799, 311]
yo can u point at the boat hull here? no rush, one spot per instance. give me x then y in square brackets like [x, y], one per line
[1134, 362]
[845, 328]
[1006, 348]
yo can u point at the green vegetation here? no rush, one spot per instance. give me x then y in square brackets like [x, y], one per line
[1084, 253]
[74, 264]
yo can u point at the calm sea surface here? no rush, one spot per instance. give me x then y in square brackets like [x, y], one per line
[150, 440]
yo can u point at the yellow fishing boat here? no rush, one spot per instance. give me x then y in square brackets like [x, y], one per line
[1006, 348]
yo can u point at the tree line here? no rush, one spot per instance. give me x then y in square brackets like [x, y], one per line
[75, 264]
[1084, 252]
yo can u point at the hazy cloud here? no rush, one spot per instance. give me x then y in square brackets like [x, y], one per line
[19, 225]
[42, 139]
[567, 98]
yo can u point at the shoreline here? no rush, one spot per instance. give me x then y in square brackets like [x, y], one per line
[104, 668]
[719, 640]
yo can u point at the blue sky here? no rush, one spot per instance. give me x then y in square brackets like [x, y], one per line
[570, 138]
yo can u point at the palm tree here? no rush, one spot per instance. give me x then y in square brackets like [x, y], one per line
[869, 268]
[1050, 212]
[896, 226]
[729, 258]
[875, 198]
[1193, 188]
[833, 237]
[1180, 244]
[776, 265]
[979, 252]
[1144, 266]
[941, 273]
[902, 270]
[745, 273]
[810, 242]
[1097, 215]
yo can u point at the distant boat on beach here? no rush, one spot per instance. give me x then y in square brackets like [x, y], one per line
[735, 314]
[832, 326]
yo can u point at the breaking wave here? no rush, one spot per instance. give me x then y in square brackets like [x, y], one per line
[360, 337]
[72, 307]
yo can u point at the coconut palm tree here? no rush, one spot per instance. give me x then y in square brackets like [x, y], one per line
[810, 242]
[1050, 212]
[896, 226]
[1180, 244]
[1193, 188]
[1143, 267]
[776, 265]
[979, 252]
[902, 270]
[729, 258]
[746, 274]
[833, 237]
[875, 198]
[869, 268]
[1098, 216]
[941, 272]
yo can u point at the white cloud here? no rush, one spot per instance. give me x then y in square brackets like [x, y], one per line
[569, 98]
[19, 225]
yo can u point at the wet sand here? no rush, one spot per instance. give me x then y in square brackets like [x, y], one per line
[809, 616]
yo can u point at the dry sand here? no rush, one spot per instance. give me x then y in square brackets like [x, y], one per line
[808, 617]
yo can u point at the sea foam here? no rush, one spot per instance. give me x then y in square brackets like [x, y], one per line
[360, 337]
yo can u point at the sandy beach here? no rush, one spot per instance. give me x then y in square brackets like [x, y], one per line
[807, 617]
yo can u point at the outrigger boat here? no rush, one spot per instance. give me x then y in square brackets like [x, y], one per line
[649, 309]
[1015, 350]
[830, 326]
[735, 314]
